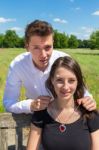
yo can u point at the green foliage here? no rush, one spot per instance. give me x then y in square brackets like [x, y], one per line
[60, 40]
[72, 42]
[10, 39]
[94, 40]
[1, 40]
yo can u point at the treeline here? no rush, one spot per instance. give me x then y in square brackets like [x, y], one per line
[11, 40]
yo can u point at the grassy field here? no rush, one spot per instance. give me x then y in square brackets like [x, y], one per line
[88, 59]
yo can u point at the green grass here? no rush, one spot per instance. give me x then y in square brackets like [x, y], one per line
[88, 60]
[6, 56]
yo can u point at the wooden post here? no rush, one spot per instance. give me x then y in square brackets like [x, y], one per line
[3, 139]
[13, 121]
[19, 139]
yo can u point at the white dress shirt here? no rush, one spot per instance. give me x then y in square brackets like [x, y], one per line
[22, 72]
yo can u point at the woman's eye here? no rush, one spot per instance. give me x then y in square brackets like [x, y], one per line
[59, 80]
[72, 81]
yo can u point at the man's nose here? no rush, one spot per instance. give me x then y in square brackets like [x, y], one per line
[43, 53]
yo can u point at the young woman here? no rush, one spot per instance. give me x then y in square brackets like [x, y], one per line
[64, 125]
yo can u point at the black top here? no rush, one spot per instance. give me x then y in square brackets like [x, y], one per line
[76, 136]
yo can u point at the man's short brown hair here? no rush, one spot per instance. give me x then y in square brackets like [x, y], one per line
[39, 28]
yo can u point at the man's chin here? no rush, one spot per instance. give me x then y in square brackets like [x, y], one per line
[43, 67]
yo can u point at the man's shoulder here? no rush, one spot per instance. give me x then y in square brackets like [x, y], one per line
[59, 53]
[23, 57]
[56, 54]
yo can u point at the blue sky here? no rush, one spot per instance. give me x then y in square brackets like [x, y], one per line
[78, 17]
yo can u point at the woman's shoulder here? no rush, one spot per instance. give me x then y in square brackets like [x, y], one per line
[39, 114]
[93, 122]
[38, 118]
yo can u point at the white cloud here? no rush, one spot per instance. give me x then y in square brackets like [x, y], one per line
[4, 20]
[16, 29]
[96, 13]
[75, 33]
[60, 20]
[87, 29]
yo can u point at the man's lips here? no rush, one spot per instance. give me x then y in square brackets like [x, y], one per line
[44, 60]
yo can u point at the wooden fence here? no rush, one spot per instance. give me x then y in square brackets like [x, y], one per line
[13, 128]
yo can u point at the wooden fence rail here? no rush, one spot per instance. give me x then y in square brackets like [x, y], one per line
[13, 124]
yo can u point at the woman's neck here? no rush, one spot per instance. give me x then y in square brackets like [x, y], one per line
[65, 104]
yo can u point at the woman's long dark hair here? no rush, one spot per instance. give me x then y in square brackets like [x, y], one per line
[72, 65]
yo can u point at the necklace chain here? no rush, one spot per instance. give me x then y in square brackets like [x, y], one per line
[69, 117]
[62, 126]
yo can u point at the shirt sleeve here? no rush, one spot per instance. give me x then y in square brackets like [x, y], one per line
[86, 93]
[93, 123]
[12, 92]
[38, 118]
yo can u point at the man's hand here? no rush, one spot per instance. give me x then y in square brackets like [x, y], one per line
[87, 102]
[40, 103]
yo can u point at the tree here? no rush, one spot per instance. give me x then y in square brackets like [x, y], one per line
[86, 44]
[63, 40]
[80, 43]
[11, 39]
[56, 39]
[94, 40]
[60, 40]
[1, 40]
[72, 42]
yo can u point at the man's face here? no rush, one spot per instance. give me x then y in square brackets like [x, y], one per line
[41, 49]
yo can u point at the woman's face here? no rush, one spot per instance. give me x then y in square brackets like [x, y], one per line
[65, 83]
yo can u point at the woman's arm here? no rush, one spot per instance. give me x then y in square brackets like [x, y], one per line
[95, 140]
[34, 138]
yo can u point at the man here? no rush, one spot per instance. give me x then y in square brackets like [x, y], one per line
[31, 70]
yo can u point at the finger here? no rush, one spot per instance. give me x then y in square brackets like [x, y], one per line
[91, 108]
[90, 103]
[45, 105]
[45, 97]
[40, 105]
[79, 101]
[46, 102]
[85, 100]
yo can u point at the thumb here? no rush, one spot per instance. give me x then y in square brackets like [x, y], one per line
[79, 101]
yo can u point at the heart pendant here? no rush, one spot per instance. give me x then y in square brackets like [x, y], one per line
[62, 128]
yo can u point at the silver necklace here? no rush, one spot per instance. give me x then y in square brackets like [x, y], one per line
[62, 126]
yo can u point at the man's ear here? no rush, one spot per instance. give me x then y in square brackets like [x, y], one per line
[27, 47]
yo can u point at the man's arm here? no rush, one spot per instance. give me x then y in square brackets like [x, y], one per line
[12, 93]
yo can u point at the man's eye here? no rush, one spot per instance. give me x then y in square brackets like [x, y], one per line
[48, 48]
[36, 48]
